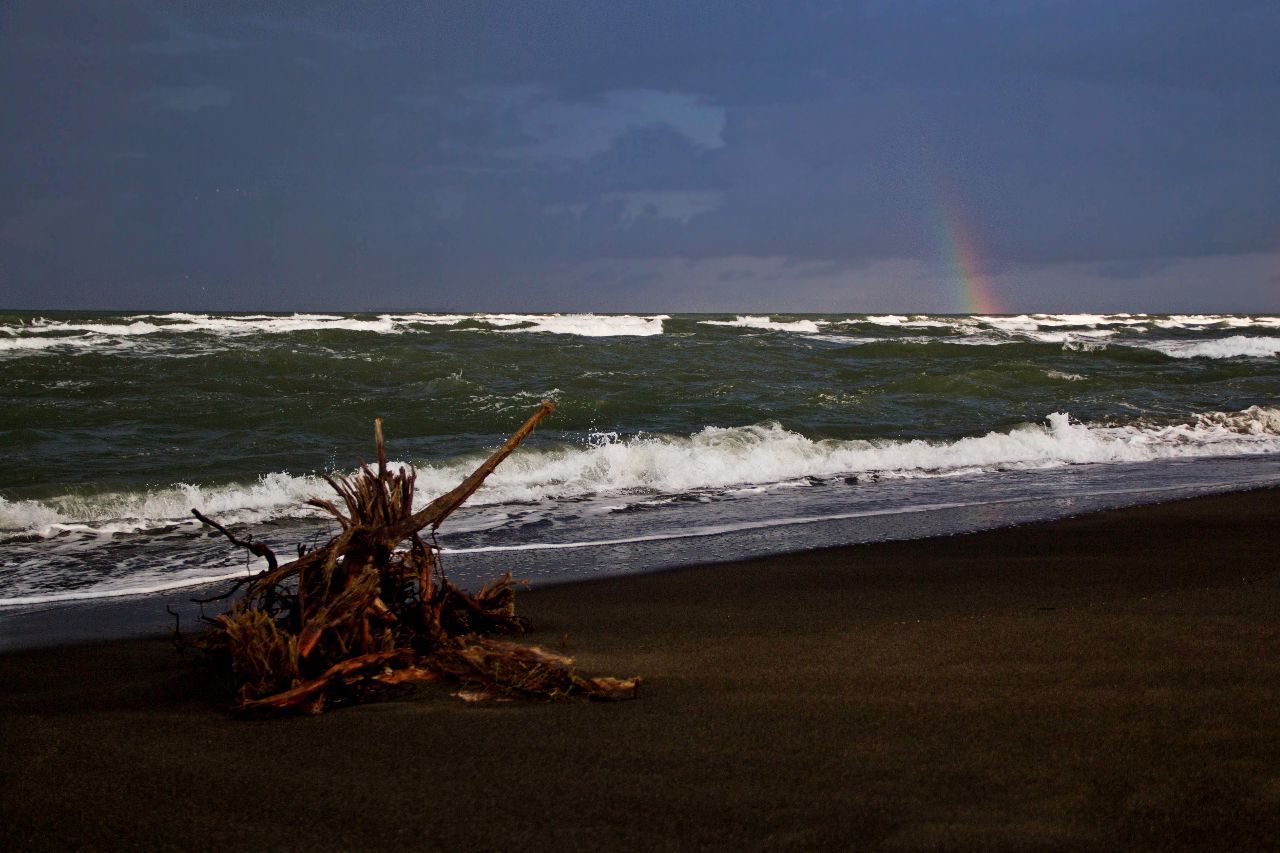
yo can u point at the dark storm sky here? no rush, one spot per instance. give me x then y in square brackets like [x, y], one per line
[641, 156]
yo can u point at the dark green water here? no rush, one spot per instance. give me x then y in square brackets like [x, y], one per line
[112, 426]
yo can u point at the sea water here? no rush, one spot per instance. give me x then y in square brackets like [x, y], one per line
[676, 439]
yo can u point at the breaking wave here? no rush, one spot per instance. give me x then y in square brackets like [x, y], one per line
[807, 327]
[584, 325]
[764, 454]
[1236, 346]
[158, 333]
[42, 333]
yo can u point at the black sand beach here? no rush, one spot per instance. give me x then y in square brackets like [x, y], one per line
[1104, 682]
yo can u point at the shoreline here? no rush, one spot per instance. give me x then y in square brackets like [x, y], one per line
[1098, 682]
[130, 615]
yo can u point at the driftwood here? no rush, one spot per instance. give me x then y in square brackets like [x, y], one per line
[370, 608]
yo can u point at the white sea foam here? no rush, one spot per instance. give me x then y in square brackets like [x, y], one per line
[915, 321]
[714, 458]
[1236, 346]
[584, 325]
[720, 529]
[847, 339]
[272, 495]
[1255, 420]
[428, 319]
[807, 327]
[235, 325]
[43, 334]
[1201, 321]
[141, 586]
[797, 520]
[154, 332]
[29, 344]
[1083, 345]
[1031, 323]
[1058, 337]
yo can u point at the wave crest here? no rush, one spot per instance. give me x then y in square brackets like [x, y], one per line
[807, 327]
[43, 333]
[1236, 346]
[713, 458]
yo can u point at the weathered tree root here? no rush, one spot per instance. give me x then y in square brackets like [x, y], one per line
[367, 608]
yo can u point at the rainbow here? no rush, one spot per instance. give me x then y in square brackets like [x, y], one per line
[976, 295]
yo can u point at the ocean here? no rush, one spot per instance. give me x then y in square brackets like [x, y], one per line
[676, 439]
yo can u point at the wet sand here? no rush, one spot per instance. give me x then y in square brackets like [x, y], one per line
[1110, 681]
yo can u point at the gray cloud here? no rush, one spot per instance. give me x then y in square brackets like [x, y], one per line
[186, 99]
[34, 227]
[165, 33]
[442, 150]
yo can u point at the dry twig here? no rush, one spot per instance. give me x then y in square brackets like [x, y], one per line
[367, 607]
